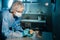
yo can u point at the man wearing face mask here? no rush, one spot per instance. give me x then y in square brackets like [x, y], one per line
[11, 20]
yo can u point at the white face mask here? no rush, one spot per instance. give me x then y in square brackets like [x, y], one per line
[18, 14]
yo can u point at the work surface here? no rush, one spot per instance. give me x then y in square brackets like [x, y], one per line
[45, 36]
[26, 38]
[19, 38]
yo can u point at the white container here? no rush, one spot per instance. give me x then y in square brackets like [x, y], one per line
[39, 18]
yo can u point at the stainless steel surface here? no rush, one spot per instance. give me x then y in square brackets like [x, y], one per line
[25, 20]
[19, 38]
[35, 37]
[26, 38]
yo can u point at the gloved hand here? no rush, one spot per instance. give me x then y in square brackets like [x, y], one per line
[28, 32]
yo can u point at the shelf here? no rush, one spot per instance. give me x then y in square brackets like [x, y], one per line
[30, 2]
[40, 21]
[31, 13]
[34, 14]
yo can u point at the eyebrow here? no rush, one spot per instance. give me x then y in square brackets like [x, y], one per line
[19, 11]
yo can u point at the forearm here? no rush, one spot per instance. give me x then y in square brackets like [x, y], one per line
[8, 33]
[14, 34]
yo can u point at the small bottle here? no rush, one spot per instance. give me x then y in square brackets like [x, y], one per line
[39, 18]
